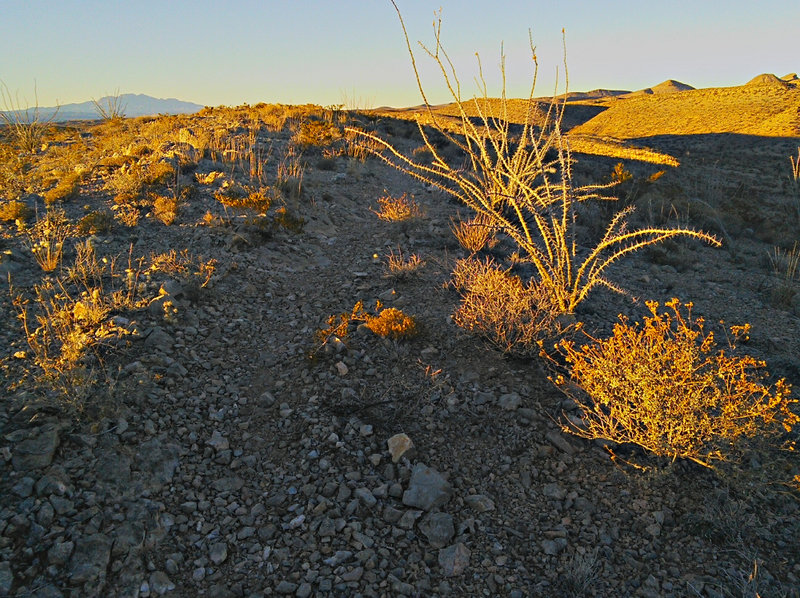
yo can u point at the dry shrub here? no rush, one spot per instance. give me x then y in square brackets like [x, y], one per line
[193, 271]
[160, 173]
[389, 323]
[498, 306]
[98, 221]
[66, 189]
[127, 214]
[11, 211]
[392, 323]
[666, 387]
[165, 208]
[475, 234]
[316, 133]
[69, 322]
[398, 209]
[46, 238]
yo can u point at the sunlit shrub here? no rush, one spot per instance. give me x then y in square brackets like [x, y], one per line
[46, 238]
[165, 208]
[398, 209]
[475, 234]
[497, 306]
[66, 189]
[316, 133]
[11, 211]
[666, 387]
[389, 323]
[392, 323]
[95, 222]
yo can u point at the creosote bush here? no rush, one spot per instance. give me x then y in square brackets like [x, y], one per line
[666, 387]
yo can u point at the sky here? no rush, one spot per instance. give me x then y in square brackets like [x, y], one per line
[353, 52]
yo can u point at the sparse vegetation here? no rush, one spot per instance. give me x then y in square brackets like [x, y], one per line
[26, 126]
[515, 183]
[666, 387]
[46, 238]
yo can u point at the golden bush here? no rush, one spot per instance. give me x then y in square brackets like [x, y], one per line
[496, 305]
[666, 387]
[66, 189]
[316, 133]
[398, 209]
[165, 208]
[392, 323]
[389, 323]
[11, 211]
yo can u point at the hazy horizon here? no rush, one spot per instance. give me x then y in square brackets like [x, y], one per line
[354, 53]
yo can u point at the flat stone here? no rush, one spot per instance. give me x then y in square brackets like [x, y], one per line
[286, 587]
[427, 488]
[160, 583]
[554, 547]
[36, 452]
[438, 529]
[561, 443]
[510, 401]
[366, 497]
[454, 559]
[479, 503]
[554, 491]
[90, 560]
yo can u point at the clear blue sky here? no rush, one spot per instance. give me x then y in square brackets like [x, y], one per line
[323, 51]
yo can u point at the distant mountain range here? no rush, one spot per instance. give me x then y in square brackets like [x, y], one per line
[131, 104]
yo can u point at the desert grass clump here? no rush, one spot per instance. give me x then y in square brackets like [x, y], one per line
[475, 234]
[666, 387]
[522, 183]
[46, 238]
[513, 316]
[784, 265]
[400, 266]
[398, 209]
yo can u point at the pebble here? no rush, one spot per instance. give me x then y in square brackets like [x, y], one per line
[400, 445]
[454, 559]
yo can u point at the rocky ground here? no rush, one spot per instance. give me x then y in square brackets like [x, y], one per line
[233, 460]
